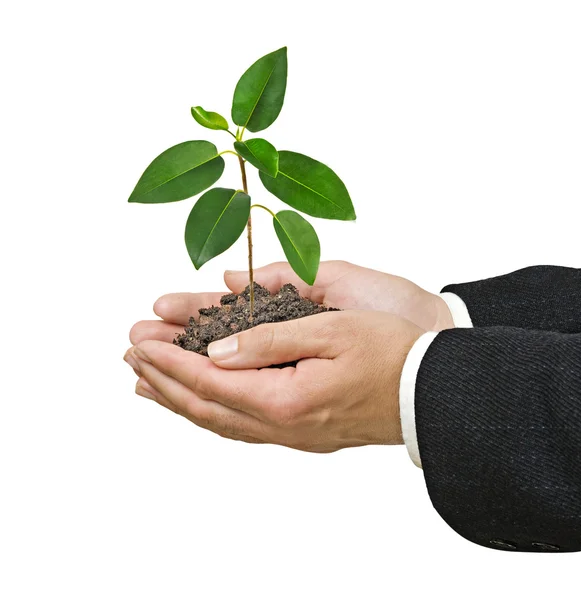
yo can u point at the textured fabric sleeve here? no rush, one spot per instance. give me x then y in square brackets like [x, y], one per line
[407, 384]
[498, 421]
[544, 297]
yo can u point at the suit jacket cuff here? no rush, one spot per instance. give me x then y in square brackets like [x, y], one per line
[498, 421]
[543, 298]
[409, 374]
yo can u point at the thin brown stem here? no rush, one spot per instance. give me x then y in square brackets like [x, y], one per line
[243, 169]
[249, 231]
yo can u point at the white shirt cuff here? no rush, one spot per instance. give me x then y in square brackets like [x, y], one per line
[407, 390]
[458, 309]
[409, 374]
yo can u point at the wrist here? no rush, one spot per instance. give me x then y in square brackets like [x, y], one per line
[407, 390]
[400, 372]
[443, 315]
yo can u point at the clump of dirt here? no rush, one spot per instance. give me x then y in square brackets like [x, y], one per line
[232, 316]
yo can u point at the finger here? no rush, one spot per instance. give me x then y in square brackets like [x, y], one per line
[250, 391]
[178, 308]
[204, 413]
[144, 389]
[154, 330]
[278, 343]
[275, 275]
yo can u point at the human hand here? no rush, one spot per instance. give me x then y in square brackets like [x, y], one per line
[344, 392]
[344, 285]
[339, 284]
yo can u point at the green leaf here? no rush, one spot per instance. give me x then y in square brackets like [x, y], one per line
[260, 153]
[259, 94]
[309, 186]
[211, 120]
[180, 172]
[215, 223]
[300, 244]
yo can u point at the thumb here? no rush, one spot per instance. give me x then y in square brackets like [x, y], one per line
[275, 275]
[276, 343]
[272, 277]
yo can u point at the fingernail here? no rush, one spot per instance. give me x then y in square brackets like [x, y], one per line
[128, 358]
[141, 354]
[234, 272]
[141, 392]
[223, 349]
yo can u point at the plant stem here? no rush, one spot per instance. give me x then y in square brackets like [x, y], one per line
[228, 152]
[249, 230]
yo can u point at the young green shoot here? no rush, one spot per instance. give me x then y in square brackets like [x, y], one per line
[220, 215]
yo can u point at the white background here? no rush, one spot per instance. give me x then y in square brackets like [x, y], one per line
[456, 127]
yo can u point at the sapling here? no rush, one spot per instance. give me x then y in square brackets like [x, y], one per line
[220, 215]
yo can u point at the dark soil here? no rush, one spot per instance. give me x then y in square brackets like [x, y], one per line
[232, 316]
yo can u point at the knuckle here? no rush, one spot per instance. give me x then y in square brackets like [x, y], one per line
[192, 378]
[198, 415]
[203, 422]
[264, 338]
[330, 327]
[327, 329]
[348, 326]
[288, 411]
[150, 348]
[200, 385]
[343, 264]
[272, 337]
[166, 362]
[236, 397]
[185, 400]
[285, 332]
[229, 425]
[191, 375]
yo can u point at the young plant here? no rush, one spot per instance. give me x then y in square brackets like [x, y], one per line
[220, 215]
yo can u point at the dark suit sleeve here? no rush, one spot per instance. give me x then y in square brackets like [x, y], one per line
[544, 297]
[498, 421]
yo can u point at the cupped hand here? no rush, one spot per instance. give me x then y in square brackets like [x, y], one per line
[348, 286]
[344, 392]
[339, 284]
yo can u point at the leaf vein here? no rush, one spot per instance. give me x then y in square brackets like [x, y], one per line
[216, 223]
[178, 175]
[292, 243]
[260, 95]
[311, 189]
